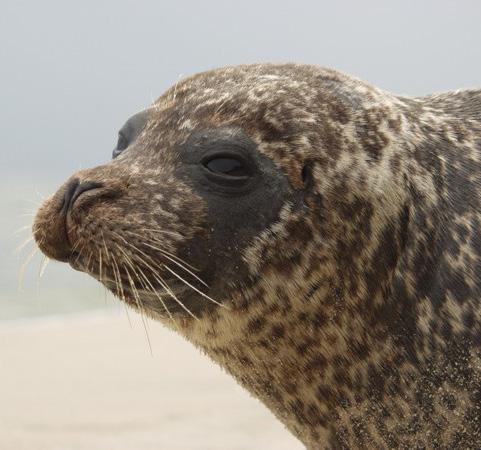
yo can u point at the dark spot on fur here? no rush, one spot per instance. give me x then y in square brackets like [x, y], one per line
[297, 408]
[278, 331]
[256, 325]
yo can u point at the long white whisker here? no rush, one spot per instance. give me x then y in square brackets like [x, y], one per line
[39, 194]
[136, 295]
[163, 249]
[139, 304]
[43, 266]
[130, 262]
[166, 254]
[118, 279]
[193, 287]
[87, 265]
[25, 227]
[23, 244]
[171, 293]
[170, 270]
[158, 296]
[122, 296]
[24, 266]
[153, 230]
[37, 203]
[101, 275]
[178, 264]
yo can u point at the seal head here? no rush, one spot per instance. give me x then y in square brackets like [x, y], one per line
[314, 235]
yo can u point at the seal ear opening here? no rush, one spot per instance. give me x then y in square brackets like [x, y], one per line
[311, 198]
[306, 175]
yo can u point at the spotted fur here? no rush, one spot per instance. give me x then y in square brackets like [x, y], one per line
[355, 315]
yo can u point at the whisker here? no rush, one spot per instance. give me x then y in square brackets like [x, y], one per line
[43, 266]
[105, 247]
[23, 244]
[79, 252]
[101, 277]
[166, 254]
[118, 280]
[107, 258]
[122, 295]
[25, 227]
[178, 264]
[126, 309]
[170, 270]
[24, 266]
[39, 194]
[76, 245]
[132, 246]
[164, 250]
[130, 262]
[36, 203]
[193, 287]
[87, 265]
[164, 284]
[159, 297]
[135, 292]
[153, 230]
[137, 297]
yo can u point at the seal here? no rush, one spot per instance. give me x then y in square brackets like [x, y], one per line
[316, 236]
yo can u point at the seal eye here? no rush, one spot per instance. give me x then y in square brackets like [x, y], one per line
[130, 131]
[227, 166]
[122, 142]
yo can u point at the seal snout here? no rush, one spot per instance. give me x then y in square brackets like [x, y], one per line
[54, 226]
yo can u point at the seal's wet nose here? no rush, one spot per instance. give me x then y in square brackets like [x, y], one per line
[74, 190]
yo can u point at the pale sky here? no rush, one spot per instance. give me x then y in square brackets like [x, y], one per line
[72, 72]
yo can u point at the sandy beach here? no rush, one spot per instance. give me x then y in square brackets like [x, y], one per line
[89, 381]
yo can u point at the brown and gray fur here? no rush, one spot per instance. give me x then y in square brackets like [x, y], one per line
[353, 313]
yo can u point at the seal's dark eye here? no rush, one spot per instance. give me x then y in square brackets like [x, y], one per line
[130, 131]
[227, 166]
[122, 142]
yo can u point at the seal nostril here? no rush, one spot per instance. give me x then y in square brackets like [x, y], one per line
[84, 186]
[74, 190]
[69, 192]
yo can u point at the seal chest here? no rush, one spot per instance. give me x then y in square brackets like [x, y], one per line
[314, 235]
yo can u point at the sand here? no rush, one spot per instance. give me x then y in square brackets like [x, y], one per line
[90, 382]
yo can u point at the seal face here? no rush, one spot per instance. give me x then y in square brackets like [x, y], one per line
[317, 237]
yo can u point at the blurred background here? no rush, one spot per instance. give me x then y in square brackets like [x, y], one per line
[71, 73]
